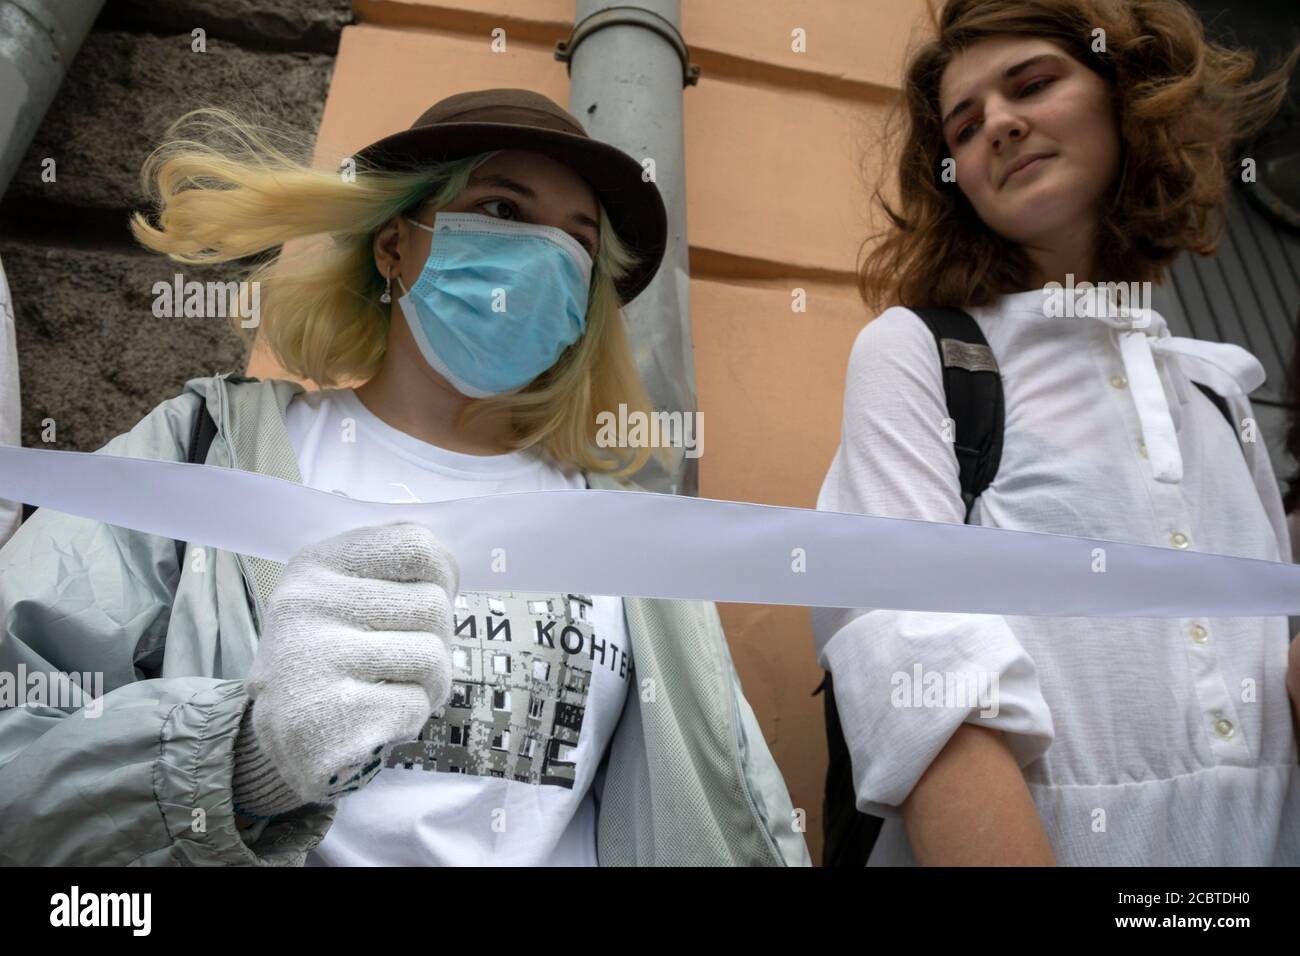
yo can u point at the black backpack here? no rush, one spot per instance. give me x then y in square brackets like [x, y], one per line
[973, 393]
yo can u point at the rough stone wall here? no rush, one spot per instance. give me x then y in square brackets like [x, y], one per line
[92, 356]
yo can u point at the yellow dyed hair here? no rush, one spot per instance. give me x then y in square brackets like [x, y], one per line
[224, 190]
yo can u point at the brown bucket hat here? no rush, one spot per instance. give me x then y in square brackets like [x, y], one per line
[483, 120]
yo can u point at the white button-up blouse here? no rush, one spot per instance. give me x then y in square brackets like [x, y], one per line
[1144, 741]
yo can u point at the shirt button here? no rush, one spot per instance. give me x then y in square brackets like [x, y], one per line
[1119, 381]
[1142, 448]
[1223, 727]
[1178, 539]
[1199, 634]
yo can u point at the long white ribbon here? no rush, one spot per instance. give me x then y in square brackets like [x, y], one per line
[666, 546]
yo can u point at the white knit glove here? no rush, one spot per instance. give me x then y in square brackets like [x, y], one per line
[353, 657]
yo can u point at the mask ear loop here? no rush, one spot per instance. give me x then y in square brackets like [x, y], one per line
[388, 280]
[387, 296]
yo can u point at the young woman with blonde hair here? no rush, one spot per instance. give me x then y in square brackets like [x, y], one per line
[352, 706]
[1049, 144]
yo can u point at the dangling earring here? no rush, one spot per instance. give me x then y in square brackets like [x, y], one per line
[387, 296]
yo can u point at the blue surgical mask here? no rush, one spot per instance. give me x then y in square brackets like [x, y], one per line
[497, 301]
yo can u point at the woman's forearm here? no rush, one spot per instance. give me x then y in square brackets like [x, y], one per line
[972, 807]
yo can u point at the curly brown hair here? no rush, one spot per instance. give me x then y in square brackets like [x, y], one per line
[1181, 103]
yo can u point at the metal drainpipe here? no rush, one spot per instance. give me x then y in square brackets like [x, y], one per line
[38, 39]
[628, 65]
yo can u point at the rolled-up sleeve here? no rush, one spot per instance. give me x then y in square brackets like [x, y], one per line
[906, 680]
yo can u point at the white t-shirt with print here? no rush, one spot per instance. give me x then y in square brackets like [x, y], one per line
[502, 775]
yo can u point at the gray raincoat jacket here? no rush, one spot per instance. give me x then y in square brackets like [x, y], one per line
[142, 774]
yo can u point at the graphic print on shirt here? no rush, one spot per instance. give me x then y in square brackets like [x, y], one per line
[522, 665]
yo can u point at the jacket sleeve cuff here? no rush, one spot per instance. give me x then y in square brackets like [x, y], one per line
[257, 789]
[906, 680]
[193, 789]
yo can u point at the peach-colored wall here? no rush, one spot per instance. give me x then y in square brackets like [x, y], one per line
[781, 147]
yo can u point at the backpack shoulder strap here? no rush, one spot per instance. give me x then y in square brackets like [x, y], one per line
[1221, 404]
[972, 389]
[201, 436]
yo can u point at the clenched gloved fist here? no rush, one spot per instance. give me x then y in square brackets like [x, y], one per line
[353, 658]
